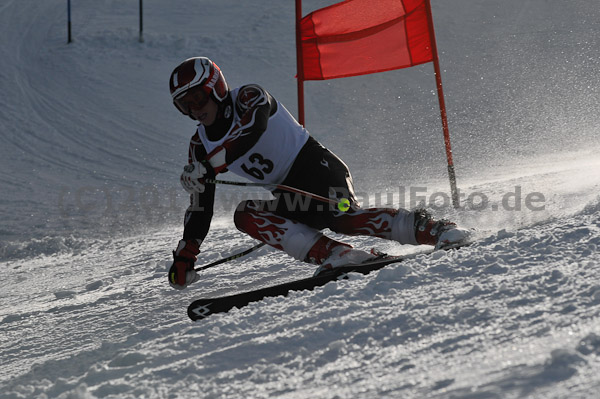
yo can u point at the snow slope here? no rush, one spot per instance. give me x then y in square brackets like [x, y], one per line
[91, 208]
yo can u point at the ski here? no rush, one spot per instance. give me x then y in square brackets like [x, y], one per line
[202, 308]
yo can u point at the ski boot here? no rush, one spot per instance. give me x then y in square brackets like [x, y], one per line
[439, 233]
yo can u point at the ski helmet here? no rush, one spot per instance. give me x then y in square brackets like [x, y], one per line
[198, 72]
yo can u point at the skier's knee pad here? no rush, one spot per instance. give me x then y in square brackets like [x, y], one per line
[240, 216]
[247, 212]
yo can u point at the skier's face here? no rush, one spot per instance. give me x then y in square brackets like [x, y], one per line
[205, 114]
[197, 104]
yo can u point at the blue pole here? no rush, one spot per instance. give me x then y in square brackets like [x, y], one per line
[69, 20]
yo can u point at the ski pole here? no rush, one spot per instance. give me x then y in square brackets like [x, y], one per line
[232, 257]
[343, 204]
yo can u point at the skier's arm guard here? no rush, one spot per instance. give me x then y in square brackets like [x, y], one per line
[200, 212]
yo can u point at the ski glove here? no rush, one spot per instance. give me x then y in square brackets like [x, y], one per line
[182, 273]
[191, 176]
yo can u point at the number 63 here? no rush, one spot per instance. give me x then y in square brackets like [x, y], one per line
[260, 166]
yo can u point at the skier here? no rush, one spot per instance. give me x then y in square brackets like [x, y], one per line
[251, 134]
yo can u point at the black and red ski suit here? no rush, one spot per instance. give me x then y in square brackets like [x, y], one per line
[283, 221]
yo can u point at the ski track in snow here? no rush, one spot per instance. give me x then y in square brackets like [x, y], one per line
[91, 209]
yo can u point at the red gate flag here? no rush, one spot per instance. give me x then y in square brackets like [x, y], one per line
[358, 37]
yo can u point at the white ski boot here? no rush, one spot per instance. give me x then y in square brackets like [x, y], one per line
[439, 233]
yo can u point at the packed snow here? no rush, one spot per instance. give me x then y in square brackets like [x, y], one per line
[91, 208]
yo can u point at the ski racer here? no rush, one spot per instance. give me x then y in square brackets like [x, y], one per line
[250, 133]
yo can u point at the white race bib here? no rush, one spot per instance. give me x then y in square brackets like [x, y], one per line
[270, 159]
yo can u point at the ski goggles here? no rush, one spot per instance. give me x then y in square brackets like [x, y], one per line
[195, 97]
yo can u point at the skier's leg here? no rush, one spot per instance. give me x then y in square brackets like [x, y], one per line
[296, 239]
[391, 224]
[254, 219]
[416, 227]
[321, 172]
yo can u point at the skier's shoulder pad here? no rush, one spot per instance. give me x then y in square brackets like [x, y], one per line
[251, 96]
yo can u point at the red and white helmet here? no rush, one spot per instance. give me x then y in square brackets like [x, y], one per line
[198, 71]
